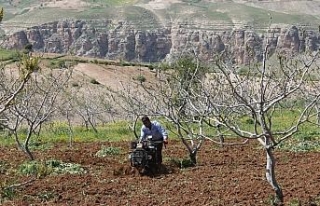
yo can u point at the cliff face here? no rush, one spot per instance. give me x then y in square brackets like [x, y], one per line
[104, 39]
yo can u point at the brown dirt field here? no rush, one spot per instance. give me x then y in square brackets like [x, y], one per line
[224, 176]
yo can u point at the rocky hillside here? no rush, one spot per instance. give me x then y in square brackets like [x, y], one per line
[121, 41]
[157, 30]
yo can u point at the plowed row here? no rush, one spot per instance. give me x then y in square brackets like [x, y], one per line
[224, 176]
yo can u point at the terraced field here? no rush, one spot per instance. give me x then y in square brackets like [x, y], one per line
[204, 14]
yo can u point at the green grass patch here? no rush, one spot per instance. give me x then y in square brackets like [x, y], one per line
[9, 55]
[6, 193]
[108, 151]
[141, 18]
[57, 64]
[40, 145]
[259, 17]
[31, 18]
[200, 11]
[215, 14]
[181, 162]
[109, 3]
[5, 138]
[27, 3]
[306, 139]
[49, 167]
[60, 131]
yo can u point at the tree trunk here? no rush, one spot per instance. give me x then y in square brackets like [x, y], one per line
[193, 157]
[270, 174]
[26, 144]
[28, 152]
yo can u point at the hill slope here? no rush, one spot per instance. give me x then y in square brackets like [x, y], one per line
[157, 13]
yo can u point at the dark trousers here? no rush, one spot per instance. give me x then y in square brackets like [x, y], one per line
[159, 153]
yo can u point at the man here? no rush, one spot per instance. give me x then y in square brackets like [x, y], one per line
[157, 132]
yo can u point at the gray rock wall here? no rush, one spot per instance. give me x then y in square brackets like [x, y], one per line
[106, 39]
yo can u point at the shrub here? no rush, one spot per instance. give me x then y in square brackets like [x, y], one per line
[74, 84]
[28, 47]
[54, 167]
[6, 193]
[46, 195]
[59, 167]
[150, 67]
[182, 163]
[34, 168]
[141, 78]
[94, 81]
[58, 64]
[105, 151]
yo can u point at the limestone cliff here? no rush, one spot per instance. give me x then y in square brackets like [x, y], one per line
[110, 40]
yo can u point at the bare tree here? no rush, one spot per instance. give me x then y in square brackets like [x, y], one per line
[259, 94]
[210, 104]
[85, 102]
[35, 105]
[170, 98]
[65, 108]
[91, 103]
[12, 83]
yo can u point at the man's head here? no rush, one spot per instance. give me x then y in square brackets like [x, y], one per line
[146, 121]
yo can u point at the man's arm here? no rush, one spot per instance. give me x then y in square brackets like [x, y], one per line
[163, 131]
[142, 134]
[165, 135]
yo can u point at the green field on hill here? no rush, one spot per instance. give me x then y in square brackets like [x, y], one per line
[154, 14]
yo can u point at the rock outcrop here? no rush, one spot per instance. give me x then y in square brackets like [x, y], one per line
[106, 39]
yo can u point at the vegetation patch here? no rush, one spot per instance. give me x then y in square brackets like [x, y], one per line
[94, 81]
[49, 167]
[6, 193]
[3, 167]
[107, 151]
[302, 146]
[140, 78]
[181, 162]
[46, 195]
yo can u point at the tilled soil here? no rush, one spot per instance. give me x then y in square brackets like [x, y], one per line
[223, 176]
